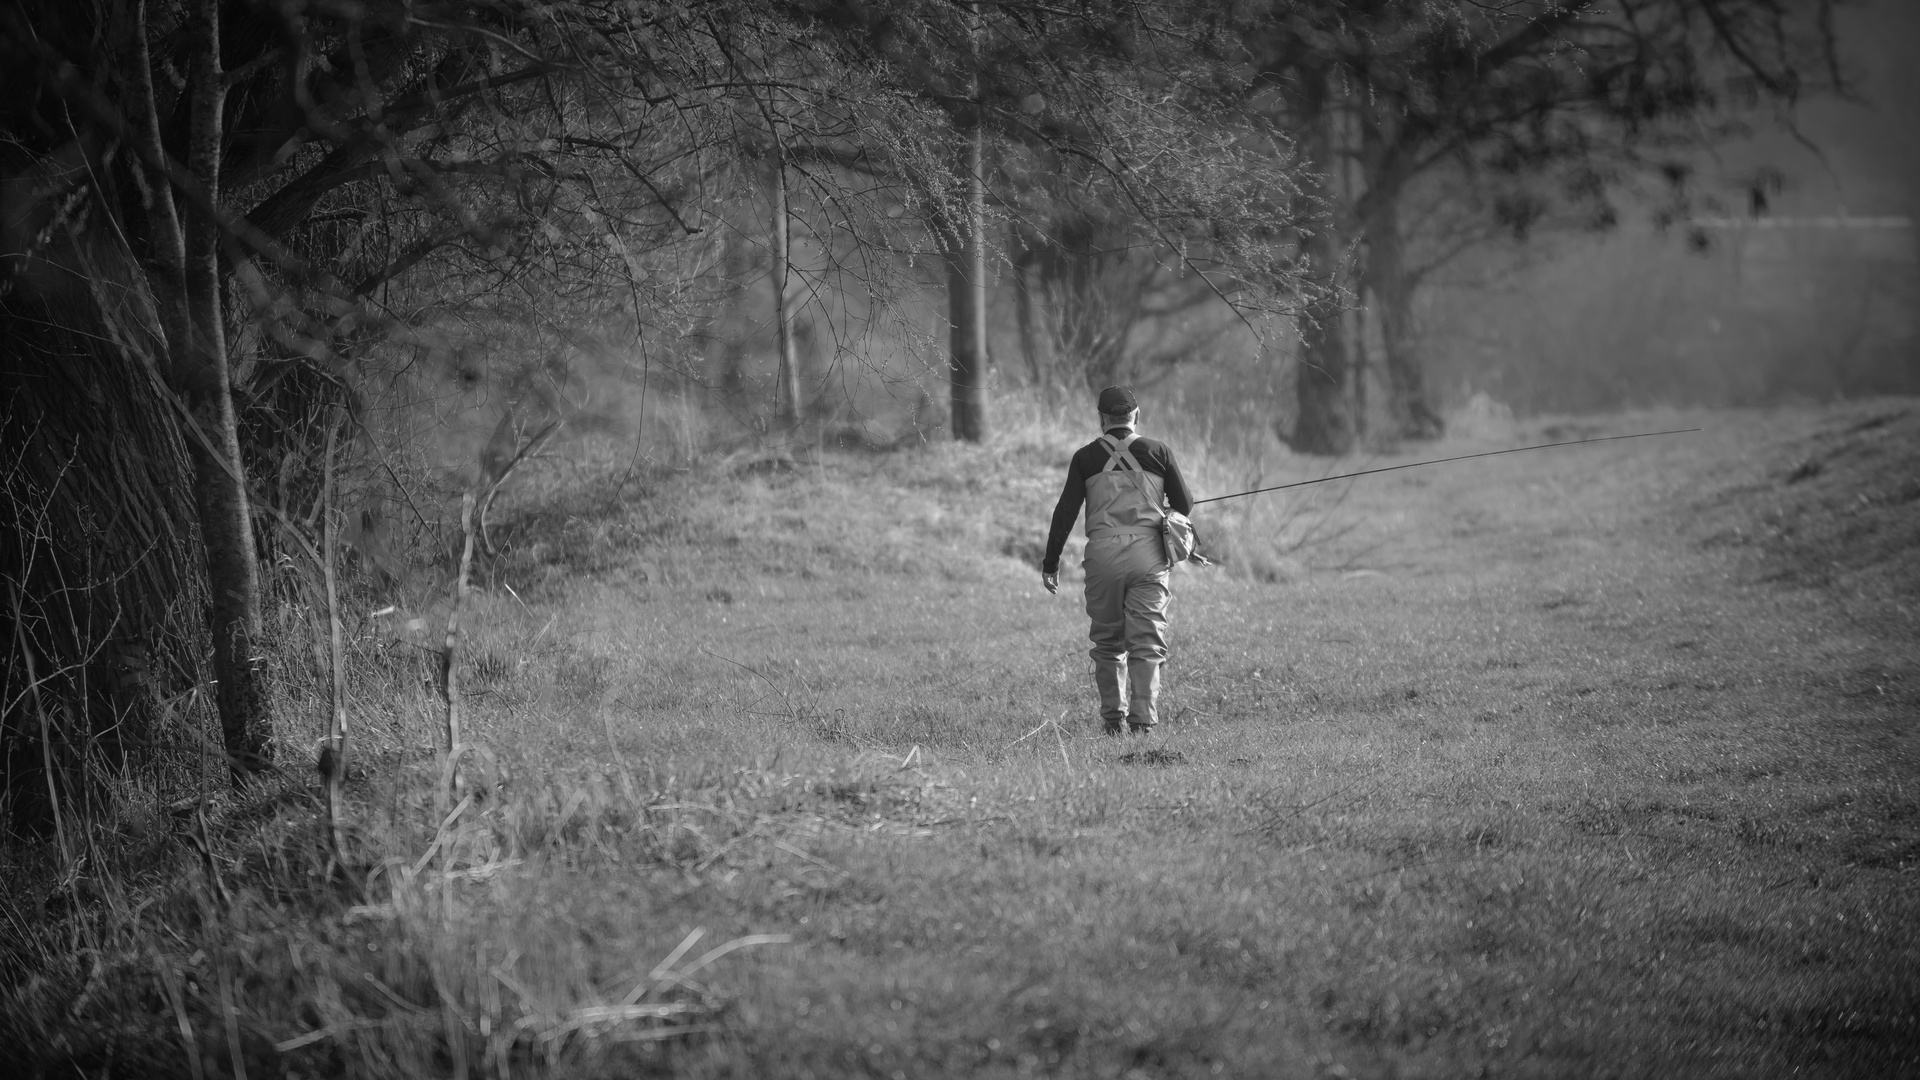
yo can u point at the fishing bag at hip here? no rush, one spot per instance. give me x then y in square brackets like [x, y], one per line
[1176, 529]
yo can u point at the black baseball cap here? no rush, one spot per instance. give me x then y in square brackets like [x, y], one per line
[1117, 401]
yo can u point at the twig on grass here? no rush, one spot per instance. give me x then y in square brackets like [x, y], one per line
[1302, 808]
[814, 859]
[1028, 735]
[762, 677]
[1044, 724]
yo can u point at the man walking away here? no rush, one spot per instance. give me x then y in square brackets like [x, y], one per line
[1127, 483]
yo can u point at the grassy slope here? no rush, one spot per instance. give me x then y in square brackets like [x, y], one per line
[1586, 762]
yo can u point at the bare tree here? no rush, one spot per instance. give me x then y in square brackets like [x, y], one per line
[1127, 105]
[1101, 305]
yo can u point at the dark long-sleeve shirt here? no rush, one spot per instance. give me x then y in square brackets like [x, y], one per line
[1154, 456]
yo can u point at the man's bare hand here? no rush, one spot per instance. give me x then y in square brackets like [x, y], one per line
[1051, 581]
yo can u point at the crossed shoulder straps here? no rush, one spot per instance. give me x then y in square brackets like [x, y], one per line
[1120, 452]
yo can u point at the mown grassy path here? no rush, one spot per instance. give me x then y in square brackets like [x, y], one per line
[1590, 762]
[1533, 774]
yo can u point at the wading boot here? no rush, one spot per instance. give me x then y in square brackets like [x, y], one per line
[1143, 677]
[1106, 679]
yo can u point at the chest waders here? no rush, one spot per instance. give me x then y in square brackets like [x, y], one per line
[1127, 587]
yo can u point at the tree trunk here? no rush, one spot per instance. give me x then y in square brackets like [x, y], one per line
[168, 275]
[788, 391]
[967, 296]
[1324, 424]
[1325, 421]
[220, 490]
[333, 760]
[1023, 270]
[1358, 363]
[1392, 286]
[733, 317]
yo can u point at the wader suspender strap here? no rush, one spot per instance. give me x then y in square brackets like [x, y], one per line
[1118, 452]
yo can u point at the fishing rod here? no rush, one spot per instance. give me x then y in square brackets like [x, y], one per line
[1444, 460]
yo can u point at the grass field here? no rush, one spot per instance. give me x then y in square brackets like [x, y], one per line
[1599, 761]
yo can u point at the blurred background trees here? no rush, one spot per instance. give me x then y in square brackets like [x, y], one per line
[1440, 125]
